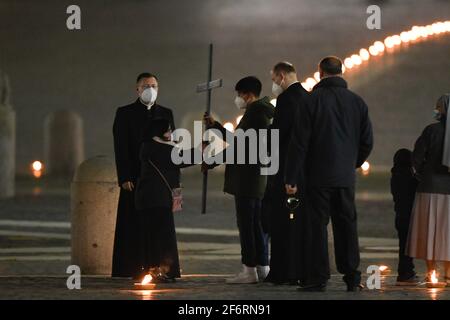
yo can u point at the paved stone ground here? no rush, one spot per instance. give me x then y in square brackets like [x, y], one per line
[198, 287]
[35, 249]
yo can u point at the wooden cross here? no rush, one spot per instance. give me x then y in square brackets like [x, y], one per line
[208, 87]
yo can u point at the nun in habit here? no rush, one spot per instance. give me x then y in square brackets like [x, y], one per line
[429, 230]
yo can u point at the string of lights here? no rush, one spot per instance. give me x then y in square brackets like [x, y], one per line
[412, 36]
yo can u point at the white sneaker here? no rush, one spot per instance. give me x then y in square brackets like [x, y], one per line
[263, 271]
[247, 276]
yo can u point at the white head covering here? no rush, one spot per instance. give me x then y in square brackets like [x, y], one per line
[443, 102]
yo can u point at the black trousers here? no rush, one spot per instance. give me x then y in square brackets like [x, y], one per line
[405, 263]
[339, 204]
[286, 240]
[254, 242]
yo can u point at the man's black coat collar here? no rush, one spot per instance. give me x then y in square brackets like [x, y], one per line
[138, 102]
[331, 82]
[293, 86]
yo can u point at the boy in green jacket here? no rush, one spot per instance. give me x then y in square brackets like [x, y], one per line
[244, 181]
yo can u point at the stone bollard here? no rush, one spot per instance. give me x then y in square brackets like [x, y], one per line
[94, 198]
[7, 140]
[63, 143]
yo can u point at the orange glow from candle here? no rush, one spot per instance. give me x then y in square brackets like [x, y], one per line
[406, 38]
[433, 277]
[37, 168]
[383, 268]
[147, 279]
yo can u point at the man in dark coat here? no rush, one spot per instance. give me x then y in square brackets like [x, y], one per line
[284, 249]
[245, 181]
[331, 138]
[129, 124]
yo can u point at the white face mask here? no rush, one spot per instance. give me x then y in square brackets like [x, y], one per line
[276, 89]
[240, 103]
[149, 95]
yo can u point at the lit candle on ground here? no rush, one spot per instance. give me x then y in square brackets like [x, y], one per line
[434, 281]
[384, 270]
[145, 284]
[36, 168]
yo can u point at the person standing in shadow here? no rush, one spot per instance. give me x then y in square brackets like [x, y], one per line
[403, 189]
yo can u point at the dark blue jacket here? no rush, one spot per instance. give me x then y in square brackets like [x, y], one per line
[332, 137]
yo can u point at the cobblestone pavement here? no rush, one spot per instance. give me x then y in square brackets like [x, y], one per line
[199, 286]
[35, 252]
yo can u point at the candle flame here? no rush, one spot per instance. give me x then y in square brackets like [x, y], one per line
[37, 168]
[147, 279]
[37, 165]
[433, 277]
[383, 268]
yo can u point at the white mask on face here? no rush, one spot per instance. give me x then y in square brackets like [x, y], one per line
[276, 89]
[240, 103]
[149, 95]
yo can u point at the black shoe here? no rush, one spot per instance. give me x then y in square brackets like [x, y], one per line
[320, 287]
[411, 281]
[357, 288]
[170, 280]
[162, 278]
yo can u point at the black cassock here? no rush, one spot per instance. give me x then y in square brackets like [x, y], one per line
[284, 236]
[129, 125]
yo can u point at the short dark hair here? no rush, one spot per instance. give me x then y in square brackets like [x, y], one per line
[249, 84]
[285, 67]
[145, 75]
[331, 65]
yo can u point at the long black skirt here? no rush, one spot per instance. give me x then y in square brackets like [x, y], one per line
[159, 241]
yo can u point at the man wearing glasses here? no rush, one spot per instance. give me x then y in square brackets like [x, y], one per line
[129, 126]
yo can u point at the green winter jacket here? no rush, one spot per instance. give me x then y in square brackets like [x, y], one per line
[245, 180]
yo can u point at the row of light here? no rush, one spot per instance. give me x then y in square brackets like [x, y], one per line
[379, 47]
